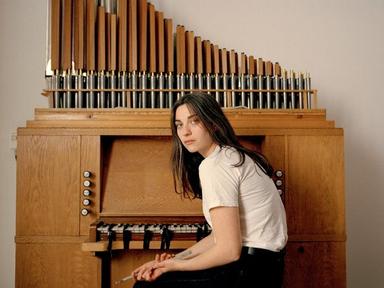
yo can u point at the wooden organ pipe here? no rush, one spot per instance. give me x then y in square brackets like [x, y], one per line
[268, 74]
[142, 37]
[90, 53]
[152, 53]
[122, 79]
[199, 62]
[101, 57]
[124, 53]
[224, 73]
[79, 42]
[243, 78]
[251, 74]
[55, 50]
[232, 72]
[207, 64]
[216, 70]
[260, 82]
[133, 52]
[160, 47]
[67, 39]
[190, 61]
[169, 61]
[180, 60]
[112, 56]
[79, 13]
[276, 85]
[66, 51]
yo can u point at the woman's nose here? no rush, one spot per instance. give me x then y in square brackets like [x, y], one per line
[186, 130]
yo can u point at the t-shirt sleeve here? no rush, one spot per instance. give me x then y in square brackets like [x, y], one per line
[219, 185]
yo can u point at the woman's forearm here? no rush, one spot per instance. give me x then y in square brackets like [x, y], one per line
[212, 257]
[227, 245]
[198, 248]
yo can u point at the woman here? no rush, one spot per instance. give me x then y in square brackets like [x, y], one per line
[240, 203]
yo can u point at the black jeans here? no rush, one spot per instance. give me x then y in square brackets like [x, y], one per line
[262, 269]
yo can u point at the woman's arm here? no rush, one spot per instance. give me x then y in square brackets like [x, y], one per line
[226, 247]
[196, 249]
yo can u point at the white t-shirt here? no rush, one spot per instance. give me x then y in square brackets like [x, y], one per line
[262, 214]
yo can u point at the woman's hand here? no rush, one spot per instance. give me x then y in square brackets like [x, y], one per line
[162, 267]
[138, 273]
[145, 271]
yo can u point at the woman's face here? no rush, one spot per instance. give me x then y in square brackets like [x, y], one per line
[192, 132]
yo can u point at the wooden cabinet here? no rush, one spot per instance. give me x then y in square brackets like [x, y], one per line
[48, 174]
[48, 246]
[313, 264]
[315, 211]
[55, 263]
[315, 201]
[127, 154]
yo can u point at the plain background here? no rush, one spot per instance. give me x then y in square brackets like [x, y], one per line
[340, 42]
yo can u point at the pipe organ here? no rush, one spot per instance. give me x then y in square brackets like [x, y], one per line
[95, 196]
[125, 53]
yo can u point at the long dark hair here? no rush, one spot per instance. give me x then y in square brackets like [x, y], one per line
[185, 165]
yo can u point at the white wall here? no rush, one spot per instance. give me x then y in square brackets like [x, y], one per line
[340, 42]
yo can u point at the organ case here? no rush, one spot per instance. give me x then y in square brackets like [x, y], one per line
[127, 154]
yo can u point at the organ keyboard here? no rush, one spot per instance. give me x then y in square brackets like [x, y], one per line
[108, 234]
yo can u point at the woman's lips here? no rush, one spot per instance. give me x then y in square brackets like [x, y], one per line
[188, 142]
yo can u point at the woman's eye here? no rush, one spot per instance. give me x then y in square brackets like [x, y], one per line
[195, 121]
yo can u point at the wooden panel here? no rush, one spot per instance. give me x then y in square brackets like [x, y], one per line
[274, 149]
[315, 265]
[137, 178]
[48, 184]
[56, 265]
[90, 161]
[315, 192]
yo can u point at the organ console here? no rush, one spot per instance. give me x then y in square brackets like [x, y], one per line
[95, 196]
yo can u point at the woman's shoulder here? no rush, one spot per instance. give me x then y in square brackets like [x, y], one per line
[225, 156]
